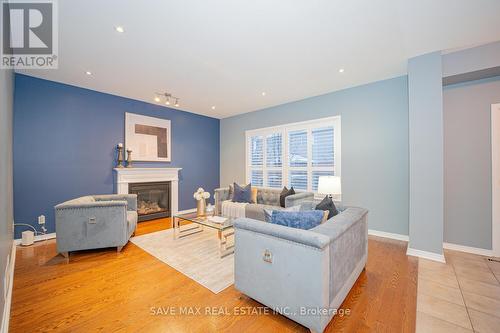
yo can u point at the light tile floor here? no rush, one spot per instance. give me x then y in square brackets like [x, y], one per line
[462, 295]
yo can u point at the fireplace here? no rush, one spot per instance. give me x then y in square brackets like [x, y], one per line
[153, 199]
[125, 178]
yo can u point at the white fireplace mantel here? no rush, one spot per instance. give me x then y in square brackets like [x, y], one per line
[125, 176]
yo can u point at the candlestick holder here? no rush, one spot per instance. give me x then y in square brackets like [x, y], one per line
[120, 156]
[129, 158]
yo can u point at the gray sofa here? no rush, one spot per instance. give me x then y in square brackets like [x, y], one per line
[97, 221]
[303, 274]
[266, 198]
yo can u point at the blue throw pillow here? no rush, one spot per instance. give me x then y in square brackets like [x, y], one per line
[268, 213]
[300, 220]
[242, 194]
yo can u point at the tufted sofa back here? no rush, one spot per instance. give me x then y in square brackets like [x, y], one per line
[267, 196]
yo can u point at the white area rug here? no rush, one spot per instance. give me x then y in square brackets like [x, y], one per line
[196, 256]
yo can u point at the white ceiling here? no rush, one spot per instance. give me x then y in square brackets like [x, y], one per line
[227, 52]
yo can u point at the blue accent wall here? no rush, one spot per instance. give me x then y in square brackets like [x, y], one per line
[64, 146]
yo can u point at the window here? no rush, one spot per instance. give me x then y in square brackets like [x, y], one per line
[294, 154]
[256, 160]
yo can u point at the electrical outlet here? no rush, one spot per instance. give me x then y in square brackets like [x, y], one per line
[41, 219]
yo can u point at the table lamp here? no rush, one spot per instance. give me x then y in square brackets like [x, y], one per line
[329, 185]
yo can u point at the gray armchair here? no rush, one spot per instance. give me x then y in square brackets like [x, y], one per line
[303, 274]
[97, 221]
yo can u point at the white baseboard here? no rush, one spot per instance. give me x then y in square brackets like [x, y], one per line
[38, 238]
[388, 235]
[430, 255]
[187, 211]
[425, 255]
[8, 295]
[468, 249]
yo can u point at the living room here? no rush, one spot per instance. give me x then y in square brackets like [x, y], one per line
[222, 166]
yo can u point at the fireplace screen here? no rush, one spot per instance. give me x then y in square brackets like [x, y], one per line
[153, 199]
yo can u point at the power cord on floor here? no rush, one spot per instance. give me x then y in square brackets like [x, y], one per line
[37, 233]
[26, 225]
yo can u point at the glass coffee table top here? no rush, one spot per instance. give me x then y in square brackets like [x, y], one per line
[215, 222]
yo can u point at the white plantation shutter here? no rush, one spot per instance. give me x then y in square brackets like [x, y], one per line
[298, 179]
[274, 178]
[274, 160]
[257, 178]
[322, 147]
[256, 160]
[274, 150]
[256, 151]
[294, 155]
[297, 148]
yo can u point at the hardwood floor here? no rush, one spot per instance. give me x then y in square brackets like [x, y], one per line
[105, 291]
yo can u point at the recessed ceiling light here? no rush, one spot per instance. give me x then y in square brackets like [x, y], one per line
[341, 70]
[157, 99]
[88, 73]
[213, 107]
[263, 93]
[167, 102]
[119, 28]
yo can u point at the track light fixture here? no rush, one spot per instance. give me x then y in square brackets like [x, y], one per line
[166, 97]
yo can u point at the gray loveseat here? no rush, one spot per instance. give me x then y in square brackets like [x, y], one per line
[303, 274]
[97, 221]
[266, 198]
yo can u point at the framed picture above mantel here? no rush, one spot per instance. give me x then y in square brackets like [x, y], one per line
[149, 138]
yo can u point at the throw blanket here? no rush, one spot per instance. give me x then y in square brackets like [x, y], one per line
[233, 209]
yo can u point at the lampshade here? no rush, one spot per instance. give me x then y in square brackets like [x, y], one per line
[329, 185]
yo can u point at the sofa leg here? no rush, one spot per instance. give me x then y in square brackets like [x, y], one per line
[65, 254]
[119, 249]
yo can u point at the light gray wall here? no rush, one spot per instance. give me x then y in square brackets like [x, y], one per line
[426, 152]
[471, 60]
[467, 161]
[6, 206]
[374, 145]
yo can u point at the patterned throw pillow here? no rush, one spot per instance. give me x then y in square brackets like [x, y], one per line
[242, 194]
[300, 220]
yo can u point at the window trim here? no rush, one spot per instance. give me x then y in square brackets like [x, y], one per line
[284, 129]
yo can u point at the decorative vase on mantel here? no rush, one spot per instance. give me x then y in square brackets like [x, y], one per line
[129, 158]
[201, 196]
[119, 147]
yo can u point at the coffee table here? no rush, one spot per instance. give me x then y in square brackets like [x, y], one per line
[224, 230]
